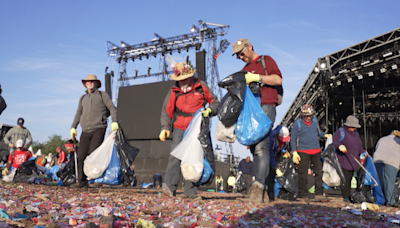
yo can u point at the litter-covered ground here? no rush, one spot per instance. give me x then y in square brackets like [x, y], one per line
[27, 205]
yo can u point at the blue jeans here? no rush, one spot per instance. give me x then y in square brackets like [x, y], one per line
[260, 150]
[387, 177]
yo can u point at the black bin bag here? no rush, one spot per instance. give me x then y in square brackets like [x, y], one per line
[126, 155]
[240, 185]
[67, 174]
[289, 179]
[205, 141]
[24, 170]
[231, 104]
[363, 193]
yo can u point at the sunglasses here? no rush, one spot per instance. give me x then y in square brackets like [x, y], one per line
[91, 81]
[241, 53]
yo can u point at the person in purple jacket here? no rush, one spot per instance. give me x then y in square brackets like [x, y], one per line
[350, 143]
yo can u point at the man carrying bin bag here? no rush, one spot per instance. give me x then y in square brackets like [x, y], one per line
[183, 100]
[262, 70]
[93, 110]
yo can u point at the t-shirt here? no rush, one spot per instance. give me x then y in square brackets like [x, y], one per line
[269, 95]
[19, 157]
[39, 161]
[61, 157]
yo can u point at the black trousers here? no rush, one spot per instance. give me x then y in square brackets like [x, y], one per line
[89, 142]
[346, 190]
[303, 168]
[248, 179]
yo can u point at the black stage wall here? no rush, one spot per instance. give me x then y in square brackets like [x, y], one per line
[139, 109]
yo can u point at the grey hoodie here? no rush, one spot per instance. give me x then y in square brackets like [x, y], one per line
[92, 111]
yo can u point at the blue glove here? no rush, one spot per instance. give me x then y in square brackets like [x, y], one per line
[363, 155]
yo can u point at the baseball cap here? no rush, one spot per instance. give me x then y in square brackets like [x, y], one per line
[239, 45]
[20, 121]
[283, 134]
[19, 143]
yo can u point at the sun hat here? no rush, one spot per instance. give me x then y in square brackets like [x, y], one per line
[352, 121]
[91, 77]
[239, 45]
[182, 71]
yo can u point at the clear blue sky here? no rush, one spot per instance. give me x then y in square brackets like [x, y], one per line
[49, 46]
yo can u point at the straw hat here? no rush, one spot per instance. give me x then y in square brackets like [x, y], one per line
[182, 71]
[91, 77]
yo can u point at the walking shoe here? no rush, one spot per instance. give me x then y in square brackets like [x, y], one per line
[256, 194]
[80, 185]
[321, 198]
[194, 197]
[166, 190]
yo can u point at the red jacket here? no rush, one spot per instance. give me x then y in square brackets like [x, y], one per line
[184, 105]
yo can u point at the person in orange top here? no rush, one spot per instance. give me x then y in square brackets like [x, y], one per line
[41, 161]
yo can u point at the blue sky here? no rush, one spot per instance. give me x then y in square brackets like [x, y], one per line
[49, 46]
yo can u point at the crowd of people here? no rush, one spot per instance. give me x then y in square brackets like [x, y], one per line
[301, 144]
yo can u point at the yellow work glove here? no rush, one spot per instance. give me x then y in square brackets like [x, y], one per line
[163, 134]
[328, 135]
[278, 173]
[206, 112]
[250, 77]
[296, 158]
[5, 171]
[114, 126]
[343, 148]
[254, 178]
[73, 132]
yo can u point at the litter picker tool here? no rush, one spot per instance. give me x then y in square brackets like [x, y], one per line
[76, 160]
[359, 163]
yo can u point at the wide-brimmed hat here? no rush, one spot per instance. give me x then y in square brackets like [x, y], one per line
[91, 77]
[352, 121]
[239, 45]
[182, 71]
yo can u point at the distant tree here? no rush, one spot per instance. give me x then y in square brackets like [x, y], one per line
[52, 144]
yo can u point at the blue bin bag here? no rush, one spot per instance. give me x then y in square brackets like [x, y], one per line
[144, 185]
[113, 174]
[253, 124]
[52, 172]
[207, 171]
[277, 188]
[377, 190]
[326, 187]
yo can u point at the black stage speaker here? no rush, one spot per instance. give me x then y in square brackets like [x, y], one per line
[107, 78]
[139, 109]
[201, 65]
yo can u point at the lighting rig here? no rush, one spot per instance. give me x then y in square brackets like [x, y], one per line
[362, 80]
[205, 34]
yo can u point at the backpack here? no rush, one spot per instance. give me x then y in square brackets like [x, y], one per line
[342, 134]
[278, 88]
[198, 89]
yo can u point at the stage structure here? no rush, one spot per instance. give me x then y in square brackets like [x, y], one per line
[361, 80]
[204, 35]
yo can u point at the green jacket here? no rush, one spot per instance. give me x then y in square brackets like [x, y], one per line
[16, 133]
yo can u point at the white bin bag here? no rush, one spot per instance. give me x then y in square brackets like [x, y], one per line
[97, 162]
[190, 152]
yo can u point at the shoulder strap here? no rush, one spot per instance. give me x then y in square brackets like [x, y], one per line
[316, 122]
[101, 95]
[342, 134]
[263, 64]
[197, 89]
[298, 124]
